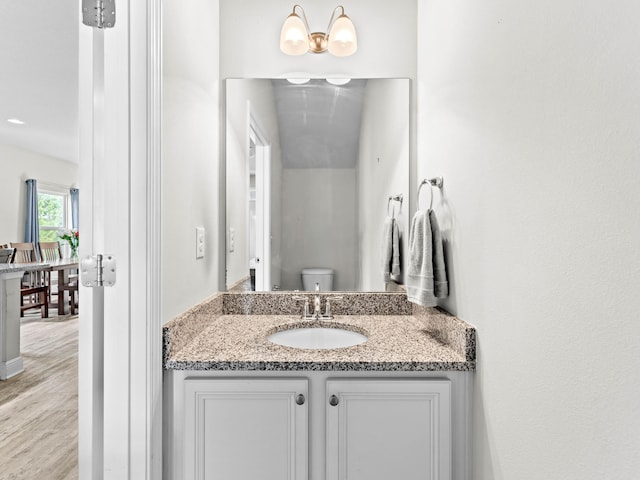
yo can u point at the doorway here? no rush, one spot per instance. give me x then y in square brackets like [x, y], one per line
[259, 205]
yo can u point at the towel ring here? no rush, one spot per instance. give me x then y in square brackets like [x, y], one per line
[433, 182]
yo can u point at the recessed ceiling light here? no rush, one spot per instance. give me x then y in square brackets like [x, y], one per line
[338, 81]
[15, 121]
[298, 81]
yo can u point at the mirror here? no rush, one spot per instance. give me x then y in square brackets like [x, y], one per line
[310, 167]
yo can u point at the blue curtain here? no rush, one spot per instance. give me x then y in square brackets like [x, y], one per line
[74, 194]
[32, 224]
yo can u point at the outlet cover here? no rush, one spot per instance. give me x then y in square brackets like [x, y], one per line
[199, 242]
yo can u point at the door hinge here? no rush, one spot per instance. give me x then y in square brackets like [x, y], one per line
[98, 271]
[99, 13]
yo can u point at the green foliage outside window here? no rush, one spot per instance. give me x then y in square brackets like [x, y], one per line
[51, 213]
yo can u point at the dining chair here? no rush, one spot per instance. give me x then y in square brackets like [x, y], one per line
[25, 252]
[34, 292]
[74, 298]
[49, 252]
[6, 254]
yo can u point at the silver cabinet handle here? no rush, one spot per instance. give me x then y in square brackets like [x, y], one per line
[333, 400]
[300, 399]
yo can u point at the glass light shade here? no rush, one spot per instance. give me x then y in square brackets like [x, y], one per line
[294, 38]
[342, 37]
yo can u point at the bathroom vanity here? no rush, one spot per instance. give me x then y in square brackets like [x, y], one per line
[239, 406]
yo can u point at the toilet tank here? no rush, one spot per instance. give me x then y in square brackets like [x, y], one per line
[323, 276]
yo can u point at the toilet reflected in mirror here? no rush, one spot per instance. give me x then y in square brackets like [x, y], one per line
[321, 276]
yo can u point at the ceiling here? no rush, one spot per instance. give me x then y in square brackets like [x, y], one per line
[39, 85]
[319, 123]
[39, 75]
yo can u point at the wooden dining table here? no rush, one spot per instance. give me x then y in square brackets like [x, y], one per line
[11, 363]
[64, 267]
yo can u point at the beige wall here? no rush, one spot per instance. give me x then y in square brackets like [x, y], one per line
[530, 112]
[16, 166]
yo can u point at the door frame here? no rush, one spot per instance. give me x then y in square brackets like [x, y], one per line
[120, 335]
[256, 133]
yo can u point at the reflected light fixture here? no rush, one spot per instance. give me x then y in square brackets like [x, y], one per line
[297, 39]
[338, 82]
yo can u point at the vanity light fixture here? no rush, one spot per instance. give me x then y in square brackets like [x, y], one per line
[15, 121]
[297, 39]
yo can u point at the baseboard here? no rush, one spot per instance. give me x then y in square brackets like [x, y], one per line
[11, 368]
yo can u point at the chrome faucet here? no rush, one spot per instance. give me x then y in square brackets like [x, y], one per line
[317, 302]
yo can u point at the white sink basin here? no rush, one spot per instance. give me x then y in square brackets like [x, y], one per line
[317, 338]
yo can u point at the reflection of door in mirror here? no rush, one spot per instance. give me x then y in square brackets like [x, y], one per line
[260, 217]
[248, 220]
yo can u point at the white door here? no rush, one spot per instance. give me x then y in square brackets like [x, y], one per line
[120, 360]
[245, 429]
[383, 429]
[262, 260]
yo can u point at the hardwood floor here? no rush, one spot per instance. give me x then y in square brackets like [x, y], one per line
[39, 407]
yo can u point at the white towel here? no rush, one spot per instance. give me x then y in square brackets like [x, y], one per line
[395, 252]
[426, 256]
[390, 250]
[387, 248]
[440, 283]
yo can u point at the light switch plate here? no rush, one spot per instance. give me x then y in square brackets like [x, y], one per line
[199, 242]
[232, 239]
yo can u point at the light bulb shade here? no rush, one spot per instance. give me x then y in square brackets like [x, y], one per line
[294, 38]
[342, 37]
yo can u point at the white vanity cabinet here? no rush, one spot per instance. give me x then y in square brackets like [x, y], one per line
[314, 426]
[383, 429]
[245, 429]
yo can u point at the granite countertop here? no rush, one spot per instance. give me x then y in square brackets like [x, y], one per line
[21, 267]
[228, 332]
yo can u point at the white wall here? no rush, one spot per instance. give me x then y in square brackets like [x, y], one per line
[383, 170]
[250, 32]
[191, 153]
[319, 223]
[530, 112]
[17, 165]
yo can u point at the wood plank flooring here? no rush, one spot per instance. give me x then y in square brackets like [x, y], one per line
[39, 407]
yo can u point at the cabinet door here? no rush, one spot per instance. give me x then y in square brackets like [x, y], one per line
[388, 429]
[246, 429]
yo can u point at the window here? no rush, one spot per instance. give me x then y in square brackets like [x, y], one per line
[53, 213]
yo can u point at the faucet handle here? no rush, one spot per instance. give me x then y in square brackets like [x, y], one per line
[297, 298]
[327, 302]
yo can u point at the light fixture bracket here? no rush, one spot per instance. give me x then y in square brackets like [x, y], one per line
[318, 42]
